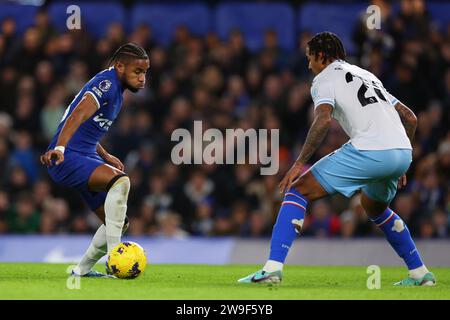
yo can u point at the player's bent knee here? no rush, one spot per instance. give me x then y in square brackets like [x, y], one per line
[373, 208]
[119, 179]
[309, 187]
[303, 187]
[120, 187]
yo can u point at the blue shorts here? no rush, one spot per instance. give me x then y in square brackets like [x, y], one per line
[376, 173]
[75, 171]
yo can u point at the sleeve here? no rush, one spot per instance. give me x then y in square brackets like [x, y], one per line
[322, 92]
[101, 90]
[392, 100]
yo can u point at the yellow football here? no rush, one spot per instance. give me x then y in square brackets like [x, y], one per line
[126, 261]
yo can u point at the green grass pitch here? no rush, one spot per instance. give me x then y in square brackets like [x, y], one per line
[192, 282]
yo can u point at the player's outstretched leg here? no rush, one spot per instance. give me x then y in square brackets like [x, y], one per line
[292, 212]
[399, 237]
[288, 225]
[96, 250]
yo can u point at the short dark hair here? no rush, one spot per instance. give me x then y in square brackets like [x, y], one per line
[128, 51]
[329, 44]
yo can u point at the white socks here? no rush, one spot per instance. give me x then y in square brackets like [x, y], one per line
[418, 273]
[272, 266]
[96, 250]
[115, 210]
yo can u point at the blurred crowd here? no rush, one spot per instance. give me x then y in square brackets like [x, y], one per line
[225, 85]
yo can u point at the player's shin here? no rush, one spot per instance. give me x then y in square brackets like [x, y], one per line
[397, 234]
[289, 222]
[115, 210]
[96, 250]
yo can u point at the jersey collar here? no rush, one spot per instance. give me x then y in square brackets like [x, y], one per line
[119, 84]
[328, 67]
[332, 64]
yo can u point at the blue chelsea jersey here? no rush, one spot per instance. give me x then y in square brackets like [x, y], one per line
[107, 92]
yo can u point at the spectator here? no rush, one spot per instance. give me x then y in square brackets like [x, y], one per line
[55, 216]
[354, 221]
[427, 230]
[158, 197]
[4, 205]
[29, 54]
[18, 181]
[322, 221]
[5, 160]
[257, 226]
[41, 192]
[441, 222]
[169, 226]
[52, 113]
[203, 221]
[10, 38]
[25, 156]
[23, 216]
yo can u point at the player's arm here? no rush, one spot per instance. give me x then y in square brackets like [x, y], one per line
[83, 111]
[409, 121]
[101, 151]
[316, 134]
[408, 118]
[112, 160]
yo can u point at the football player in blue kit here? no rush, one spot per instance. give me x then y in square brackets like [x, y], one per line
[76, 159]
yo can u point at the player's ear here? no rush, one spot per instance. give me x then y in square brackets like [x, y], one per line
[320, 56]
[120, 66]
[317, 56]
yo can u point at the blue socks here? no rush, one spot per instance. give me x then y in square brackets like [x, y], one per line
[293, 207]
[398, 236]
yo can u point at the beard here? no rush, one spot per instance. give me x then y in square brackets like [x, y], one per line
[133, 89]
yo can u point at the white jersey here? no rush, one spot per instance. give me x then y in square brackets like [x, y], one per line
[361, 105]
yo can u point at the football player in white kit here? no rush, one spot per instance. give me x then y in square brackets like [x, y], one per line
[374, 160]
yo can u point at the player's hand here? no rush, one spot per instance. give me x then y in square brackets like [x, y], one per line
[51, 155]
[293, 173]
[115, 162]
[402, 181]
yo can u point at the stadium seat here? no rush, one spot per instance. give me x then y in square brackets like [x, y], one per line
[22, 14]
[95, 20]
[164, 18]
[337, 18]
[255, 18]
